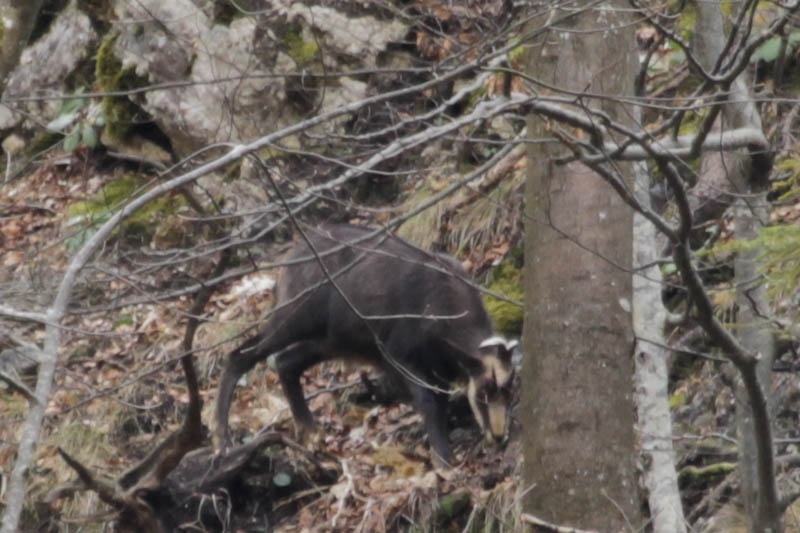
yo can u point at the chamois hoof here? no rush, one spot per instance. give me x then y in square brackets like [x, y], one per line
[439, 463]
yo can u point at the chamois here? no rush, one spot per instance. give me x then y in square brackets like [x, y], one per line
[381, 300]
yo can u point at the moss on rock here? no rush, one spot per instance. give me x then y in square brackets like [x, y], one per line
[705, 474]
[139, 227]
[119, 111]
[302, 93]
[303, 52]
[506, 279]
[677, 399]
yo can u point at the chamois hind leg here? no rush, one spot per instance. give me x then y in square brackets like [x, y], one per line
[273, 339]
[291, 364]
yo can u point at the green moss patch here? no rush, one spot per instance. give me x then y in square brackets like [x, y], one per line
[677, 399]
[139, 228]
[119, 111]
[705, 474]
[507, 317]
[304, 53]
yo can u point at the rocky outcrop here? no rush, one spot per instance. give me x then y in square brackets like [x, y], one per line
[45, 68]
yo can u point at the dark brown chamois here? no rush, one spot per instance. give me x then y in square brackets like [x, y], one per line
[387, 302]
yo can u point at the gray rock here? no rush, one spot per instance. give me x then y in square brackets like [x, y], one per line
[45, 66]
[18, 361]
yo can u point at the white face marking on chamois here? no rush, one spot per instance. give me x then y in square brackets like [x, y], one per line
[472, 396]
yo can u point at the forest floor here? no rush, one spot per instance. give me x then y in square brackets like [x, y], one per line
[118, 393]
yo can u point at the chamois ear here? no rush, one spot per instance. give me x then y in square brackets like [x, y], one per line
[505, 348]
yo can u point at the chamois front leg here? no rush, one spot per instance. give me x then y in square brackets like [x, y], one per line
[433, 408]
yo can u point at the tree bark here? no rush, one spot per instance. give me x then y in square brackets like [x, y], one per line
[651, 376]
[579, 441]
[736, 174]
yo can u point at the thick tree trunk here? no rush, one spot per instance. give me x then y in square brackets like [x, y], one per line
[579, 440]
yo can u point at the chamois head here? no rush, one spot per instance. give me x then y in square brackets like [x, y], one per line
[489, 388]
